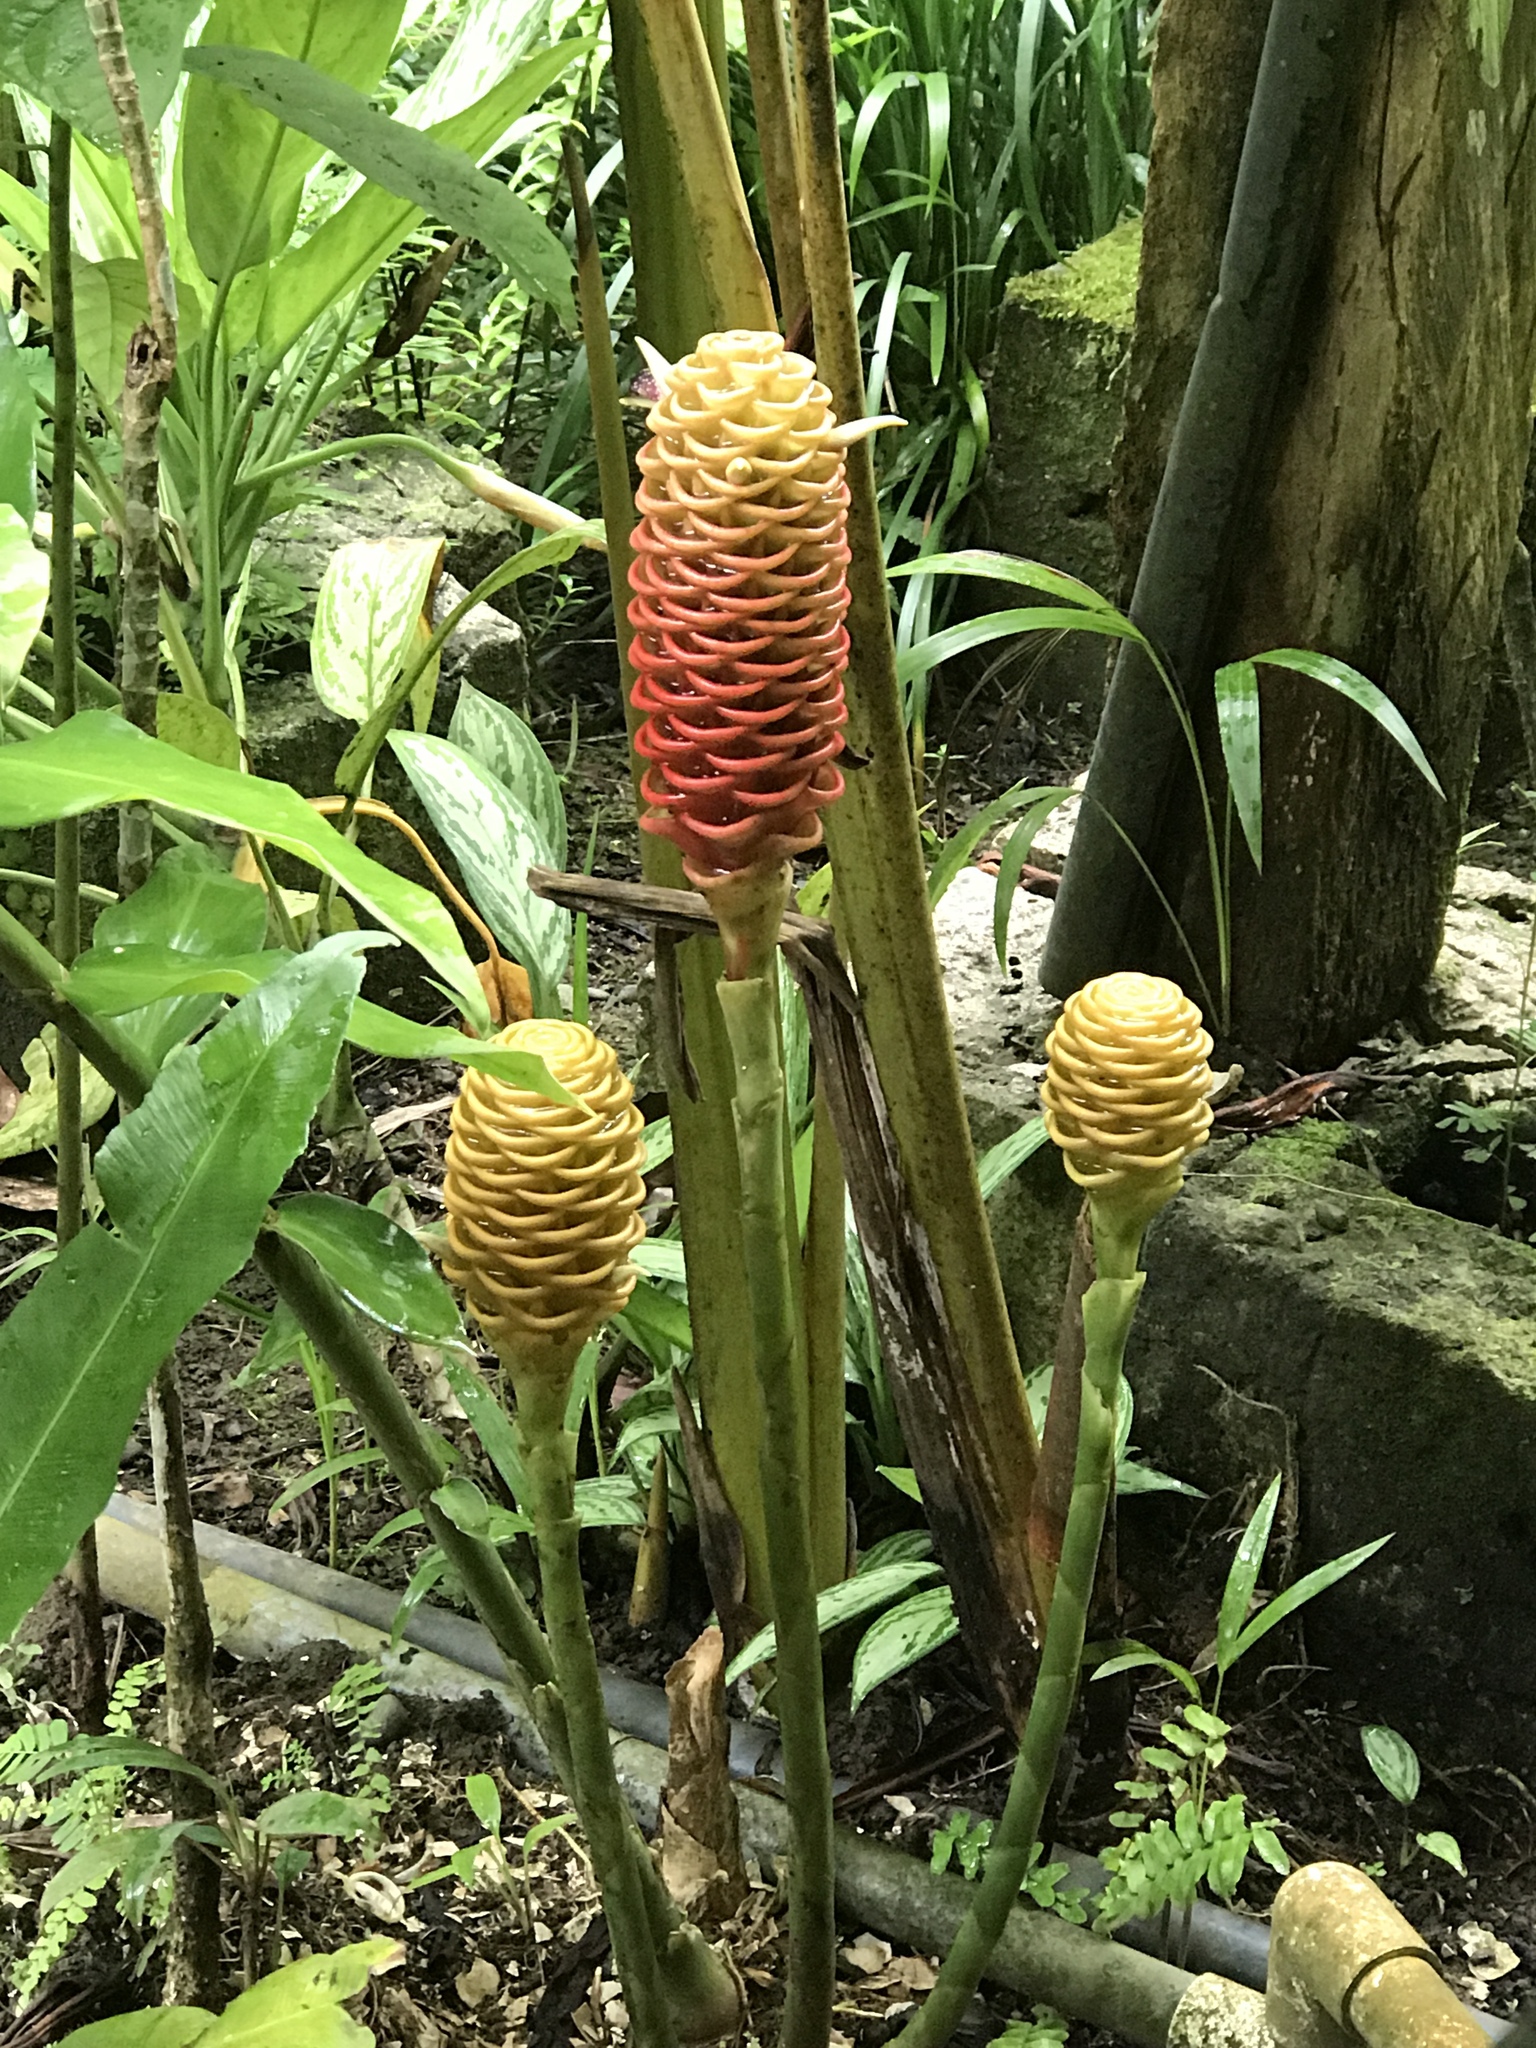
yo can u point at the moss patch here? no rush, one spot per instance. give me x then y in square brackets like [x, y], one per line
[1095, 283]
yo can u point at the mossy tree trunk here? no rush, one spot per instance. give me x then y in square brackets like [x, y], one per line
[1379, 529]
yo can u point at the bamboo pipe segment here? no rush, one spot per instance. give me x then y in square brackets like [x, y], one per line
[543, 1197]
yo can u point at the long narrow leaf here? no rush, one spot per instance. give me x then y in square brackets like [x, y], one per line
[1237, 720]
[1007, 625]
[1244, 1575]
[1358, 689]
[1305, 1589]
[958, 850]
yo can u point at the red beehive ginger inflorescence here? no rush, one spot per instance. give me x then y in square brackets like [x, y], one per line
[740, 588]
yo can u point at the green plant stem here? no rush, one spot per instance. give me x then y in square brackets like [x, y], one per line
[883, 916]
[540, 512]
[549, 1459]
[95, 688]
[768, 57]
[1108, 1308]
[751, 1021]
[823, 1305]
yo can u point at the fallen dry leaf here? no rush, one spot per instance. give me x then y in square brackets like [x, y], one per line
[476, 1984]
[866, 1955]
[33, 1196]
[410, 1113]
[377, 1894]
[227, 1489]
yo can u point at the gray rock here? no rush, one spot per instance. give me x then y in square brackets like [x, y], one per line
[1478, 992]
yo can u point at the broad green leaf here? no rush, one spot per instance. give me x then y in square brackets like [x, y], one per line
[345, 251]
[35, 1122]
[25, 213]
[111, 300]
[495, 842]
[404, 161]
[1357, 689]
[1238, 722]
[398, 1038]
[1394, 1760]
[1009, 1154]
[999, 568]
[502, 742]
[18, 415]
[903, 1478]
[241, 171]
[201, 730]
[489, 1420]
[484, 1800]
[379, 1267]
[1446, 1847]
[23, 595]
[957, 851]
[1305, 1589]
[612, 1503]
[315, 1813]
[186, 1179]
[899, 1548]
[1237, 1595]
[902, 1637]
[164, 2026]
[490, 38]
[97, 759]
[47, 48]
[138, 1853]
[655, 1323]
[369, 601]
[918, 660]
[662, 1257]
[300, 2005]
[838, 1604]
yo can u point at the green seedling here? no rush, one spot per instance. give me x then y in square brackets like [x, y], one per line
[965, 1840]
[1394, 1760]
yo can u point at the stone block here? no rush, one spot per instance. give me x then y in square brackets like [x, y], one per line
[1055, 398]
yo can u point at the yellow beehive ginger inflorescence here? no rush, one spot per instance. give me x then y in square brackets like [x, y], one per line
[543, 1197]
[1127, 1088]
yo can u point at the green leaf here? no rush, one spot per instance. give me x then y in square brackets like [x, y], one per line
[1305, 1589]
[838, 1604]
[903, 1478]
[46, 47]
[897, 1548]
[1133, 1656]
[379, 1267]
[509, 749]
[1394, 1760]
[1268, 1845]
[495, 841]
[240, 171]
[613, 1503]
[999, 568]
[655, 1323]
[1357, 689]
[315, 1813]
[165, 2026]
[398, 1038]
[35, 1122]
[1009, 1154]
[23, 595]
[299, 2006]
[111, 300]
[201, 730]
[186, 1179]
[97, 759]
[18, 415]
[926, 655]
[318, 1475]
[370, 599]
[902, 1637]
[957, 851]
[1244, 1576]
[1238, 722]
[190, 906]
[442, 181]
[488, 1419]
[1010, 865]
[106, 1752]
[1488, 26]
[484, 1801]
[1446, 1847]
[345, 250]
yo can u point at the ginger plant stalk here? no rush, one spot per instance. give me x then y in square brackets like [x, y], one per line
[1126, 1100]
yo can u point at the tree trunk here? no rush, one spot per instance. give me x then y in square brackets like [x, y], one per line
[1202, 83]
[1379, 532]
[1396, 464]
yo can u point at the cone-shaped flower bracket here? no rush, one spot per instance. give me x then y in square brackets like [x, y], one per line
[543, 1197]
[739, 595]
[1127, 1087]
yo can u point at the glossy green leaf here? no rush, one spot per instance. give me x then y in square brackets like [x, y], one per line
[344, 251]
[46, 47]
[403, 160]
[98, 759]
[1010, 865]
[1394, 1760]
[300, 2005]
[1238, 722]
[240, 170]
[838, 1604]
[1237, 1595]
[508, 747]
[35, 1120]
[1446, 1847]
[495, 842]
[1009, 1154]
[23, 595]
[186, 1179]
[926, 655]
[18, 416]
[1356, 689]
[315, 1813]
[903, 1478]
[655, 1323]
[1307, 1588]
[1000, 568]
[111, 300]
[379, 1267]
[902, 1637]
[490, 1422]
[957, 851]
[192, 906]
[398, 1038]
[484, 1800]
[899, 1548]
[370, 599]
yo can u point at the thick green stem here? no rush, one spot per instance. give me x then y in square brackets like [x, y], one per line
[768, 56]
[823, 1305]
[549, 1458]
[1108, 1308]
[752, 1023]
